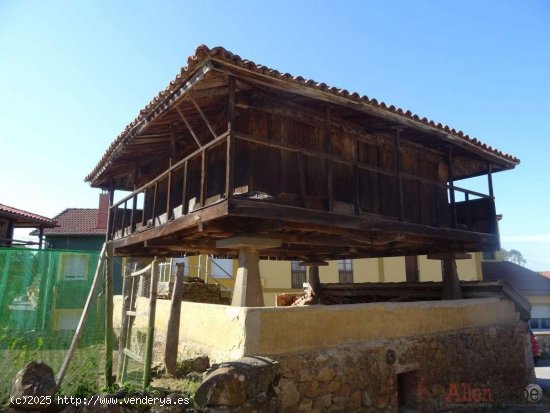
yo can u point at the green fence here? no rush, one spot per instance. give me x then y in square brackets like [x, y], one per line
[42, 294]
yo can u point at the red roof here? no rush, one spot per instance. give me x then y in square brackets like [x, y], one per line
[76, 221]
[545, 274]
[203, 54]
[24, 218]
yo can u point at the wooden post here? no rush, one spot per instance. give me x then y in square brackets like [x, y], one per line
[490, 180]
[451, 186]
[248, 286]
[40, 238]
[173, 328]
[83, 318]
[109, 316]
[148, 359]
[126, 295]
[398, 170]
[231, 127]
[330, 184]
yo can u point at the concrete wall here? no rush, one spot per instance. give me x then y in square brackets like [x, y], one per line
[227, 333]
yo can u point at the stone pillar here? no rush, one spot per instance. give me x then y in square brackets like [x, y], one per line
[450, 288]
[248, 287]
[451, 285]
[313, 278]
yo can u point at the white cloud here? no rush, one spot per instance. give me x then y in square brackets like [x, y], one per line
[526, 238]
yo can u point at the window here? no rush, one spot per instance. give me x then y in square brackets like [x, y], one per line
[297, 274]
[74, 267]
[345, 271]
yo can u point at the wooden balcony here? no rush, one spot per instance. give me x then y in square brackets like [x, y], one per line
[187, 207]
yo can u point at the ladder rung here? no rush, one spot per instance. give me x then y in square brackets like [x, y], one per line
[133, 355]
[137, 313]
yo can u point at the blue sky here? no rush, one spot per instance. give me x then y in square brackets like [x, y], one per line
[74, 73]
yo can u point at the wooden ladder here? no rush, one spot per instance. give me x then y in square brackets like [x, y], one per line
[129, 314]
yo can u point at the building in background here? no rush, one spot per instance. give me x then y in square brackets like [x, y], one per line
[11, 218]
[80, 229]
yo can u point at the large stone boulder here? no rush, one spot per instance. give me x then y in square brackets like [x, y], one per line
[33, 387]
[247, 382]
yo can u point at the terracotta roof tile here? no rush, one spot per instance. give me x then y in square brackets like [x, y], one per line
[25, 216]
[203, 53]
[76, 221]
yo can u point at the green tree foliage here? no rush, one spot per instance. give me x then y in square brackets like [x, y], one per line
[514, 256]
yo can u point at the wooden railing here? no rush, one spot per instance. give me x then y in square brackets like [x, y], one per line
[182, 189]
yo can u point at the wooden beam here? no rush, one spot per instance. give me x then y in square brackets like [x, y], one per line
[398, 170]
[173, 326]
[451, 186]
[193, 134]
[210, 128]
[248, 241]
[303, 180]
[328, 142]
[109, 306]
[231, 128]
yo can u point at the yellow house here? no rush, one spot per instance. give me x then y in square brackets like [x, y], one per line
[288, 276]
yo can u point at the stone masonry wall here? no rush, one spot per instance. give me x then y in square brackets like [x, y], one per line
[203, 293]
[368, 377]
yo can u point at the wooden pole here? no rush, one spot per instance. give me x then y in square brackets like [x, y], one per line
[315, 283]
[173, 328]
[451, 186]
[151, 324]
[81, 322]
[126, 291]
[109, 316]
[230, 152]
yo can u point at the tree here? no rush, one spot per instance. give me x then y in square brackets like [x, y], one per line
[514, 256]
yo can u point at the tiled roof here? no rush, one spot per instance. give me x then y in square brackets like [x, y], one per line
[76, 221]
[203, 53]
[545, 274]
[25, 217]
[527, 282]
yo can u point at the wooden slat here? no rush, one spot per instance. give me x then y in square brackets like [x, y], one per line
[137, 313]
[133, 355]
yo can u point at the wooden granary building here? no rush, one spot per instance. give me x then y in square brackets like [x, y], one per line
[236, 158]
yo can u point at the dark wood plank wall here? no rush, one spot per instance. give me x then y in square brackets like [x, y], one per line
[300, 179]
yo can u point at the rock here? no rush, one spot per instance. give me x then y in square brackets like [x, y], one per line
[194, 376]
[197, 364]
[35, 379]
[288, 394]
[223, 387]
[250, 380]
[326, 374]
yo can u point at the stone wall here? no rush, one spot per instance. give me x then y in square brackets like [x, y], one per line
[368, 377]
[203, 293]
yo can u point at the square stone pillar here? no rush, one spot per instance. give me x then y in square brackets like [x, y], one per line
[248, 286]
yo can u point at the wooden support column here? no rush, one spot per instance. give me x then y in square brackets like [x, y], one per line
[490, 179]
[451, 186]
[173, 328]
[398, 169]
[328, 142]
[230, 152]
[314, 280]
[109, 316]
[248, 287]
[40, 238]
